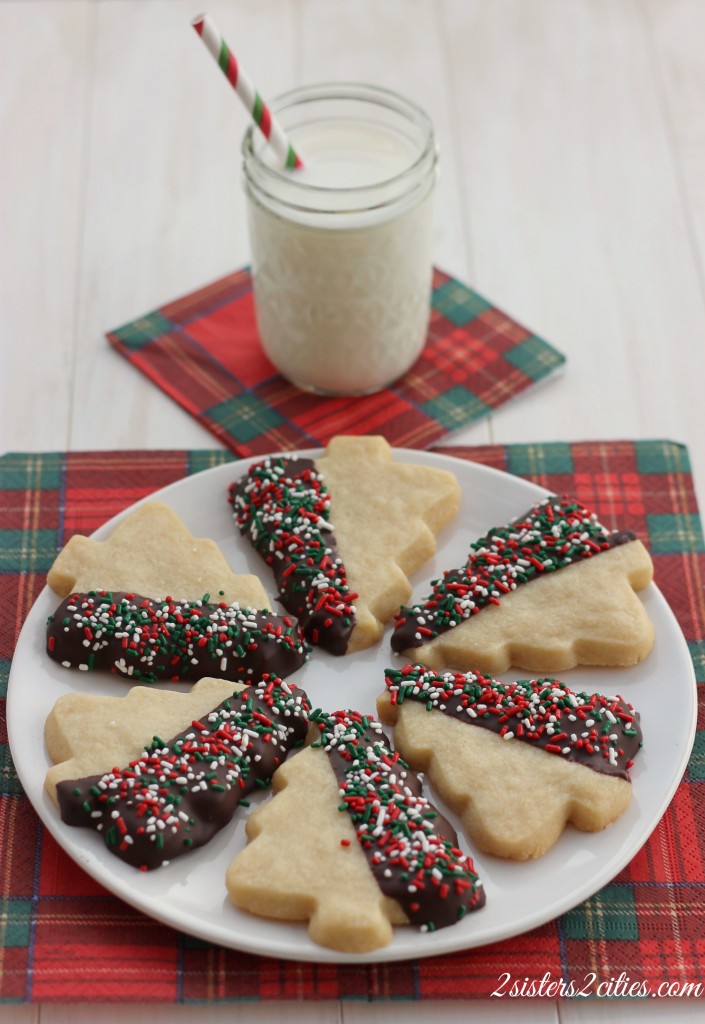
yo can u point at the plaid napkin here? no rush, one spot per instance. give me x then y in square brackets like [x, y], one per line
[203, 350]
[64, 938]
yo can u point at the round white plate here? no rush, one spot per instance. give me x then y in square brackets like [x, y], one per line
[190, 893]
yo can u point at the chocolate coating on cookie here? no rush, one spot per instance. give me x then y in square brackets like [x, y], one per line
[150, 640]
[176, 795]
[602, 733]
[412, 850]
[553, 534]
[282, 506]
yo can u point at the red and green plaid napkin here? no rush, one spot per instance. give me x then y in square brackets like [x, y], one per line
[64, 938]
[203, 350]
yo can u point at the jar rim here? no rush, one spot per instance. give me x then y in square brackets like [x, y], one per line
[365, 92]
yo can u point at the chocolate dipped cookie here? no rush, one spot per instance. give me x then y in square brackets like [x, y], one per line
[152, 799]
[342, 532]
[516, 761]
[548, 591]
[351, 844]
[153, 603]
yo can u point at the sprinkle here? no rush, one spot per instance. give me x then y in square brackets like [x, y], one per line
[153, 640]
[537, 709]
[553, 534]
[283, 507]
[156, 808]
[393, 821]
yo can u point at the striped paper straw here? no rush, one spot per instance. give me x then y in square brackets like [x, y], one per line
[242, 84]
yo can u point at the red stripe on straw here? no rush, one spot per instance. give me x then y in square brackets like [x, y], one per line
[266, 123]
[198, 25]
[231, 70]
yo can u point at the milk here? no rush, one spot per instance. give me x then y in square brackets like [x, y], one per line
[341, 251]
[347, 154]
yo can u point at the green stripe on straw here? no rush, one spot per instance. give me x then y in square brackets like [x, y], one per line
[223, 57]
[258, 109]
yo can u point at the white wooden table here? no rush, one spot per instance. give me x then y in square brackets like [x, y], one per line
[572, 194]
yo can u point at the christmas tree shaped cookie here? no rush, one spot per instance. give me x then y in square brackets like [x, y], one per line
[153, 799]
[154, 603]
[515, 761]
[342, 532]
[551, 590]
[152, 552]
[350, 844]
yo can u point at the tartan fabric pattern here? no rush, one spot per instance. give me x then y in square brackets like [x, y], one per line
[63, 938]
[203, 351]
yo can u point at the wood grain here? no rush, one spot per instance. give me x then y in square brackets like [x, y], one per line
[45, 65]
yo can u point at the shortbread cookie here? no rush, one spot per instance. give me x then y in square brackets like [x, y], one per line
[350, 844]
[516, 761]
[580, 608]
[168, 797]
[153, 603]
[151, 552]
[342, 532]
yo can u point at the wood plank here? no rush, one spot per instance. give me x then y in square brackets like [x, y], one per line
[631, 1011]
[19, 1014]
[675, 31]
[483, 1011]
[42, 138]
[226, 1013]
[575, 215]
[165, 211]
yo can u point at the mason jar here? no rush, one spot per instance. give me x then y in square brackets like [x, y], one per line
[341, 249]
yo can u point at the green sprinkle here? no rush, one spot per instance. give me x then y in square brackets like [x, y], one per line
[552, 534]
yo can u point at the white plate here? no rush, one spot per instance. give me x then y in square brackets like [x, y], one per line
[190, 894]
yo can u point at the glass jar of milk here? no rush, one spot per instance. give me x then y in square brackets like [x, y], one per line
[341, 250]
